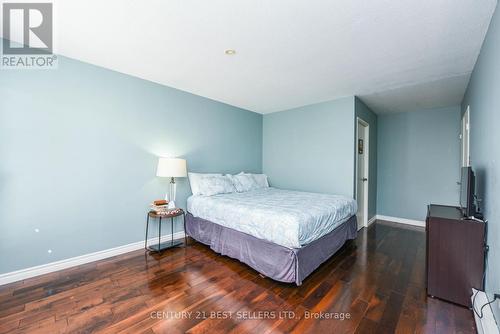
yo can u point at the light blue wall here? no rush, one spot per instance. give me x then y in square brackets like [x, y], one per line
[418, 161]
[311, 148]
[483, 96]
[362, 111]
[78, 154]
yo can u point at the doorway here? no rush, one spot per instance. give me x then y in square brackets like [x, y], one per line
[362, 168]
[465, 138]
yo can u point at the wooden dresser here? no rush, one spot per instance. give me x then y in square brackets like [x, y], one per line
[455, 254]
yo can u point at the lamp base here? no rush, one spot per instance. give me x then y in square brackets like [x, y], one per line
[170, 196]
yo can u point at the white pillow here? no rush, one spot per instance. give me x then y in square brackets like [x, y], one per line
[244, 182]
[194, 180]
[261, 180]
[213, 185]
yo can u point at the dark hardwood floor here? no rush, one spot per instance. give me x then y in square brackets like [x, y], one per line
[378, 280]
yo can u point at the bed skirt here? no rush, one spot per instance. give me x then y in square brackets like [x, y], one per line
[290, 265]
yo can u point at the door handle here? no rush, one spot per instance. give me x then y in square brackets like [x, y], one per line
[364, 179]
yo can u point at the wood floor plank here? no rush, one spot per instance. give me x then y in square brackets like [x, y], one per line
[367, 326]
[378, 280]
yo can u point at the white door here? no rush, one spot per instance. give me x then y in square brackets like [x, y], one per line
[465, 137]
[362, 154]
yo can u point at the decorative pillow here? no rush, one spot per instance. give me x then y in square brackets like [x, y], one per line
[194, 180]
[213, 185]
[244, 182]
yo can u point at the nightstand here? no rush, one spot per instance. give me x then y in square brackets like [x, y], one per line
[162, 217]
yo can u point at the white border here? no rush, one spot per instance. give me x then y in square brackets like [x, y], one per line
[372, 220]
[413, 222]
[22, 274]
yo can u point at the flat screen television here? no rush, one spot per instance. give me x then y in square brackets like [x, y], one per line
[467, 192]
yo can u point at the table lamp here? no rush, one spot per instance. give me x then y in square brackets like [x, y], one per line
[172, 168]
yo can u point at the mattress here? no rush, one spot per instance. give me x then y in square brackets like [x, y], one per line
[288, 218]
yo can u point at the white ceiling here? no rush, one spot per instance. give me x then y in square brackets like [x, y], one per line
[396, 55]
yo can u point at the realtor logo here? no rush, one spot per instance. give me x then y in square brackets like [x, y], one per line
[27, 35]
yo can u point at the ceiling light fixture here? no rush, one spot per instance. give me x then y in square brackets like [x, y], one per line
[230, 52]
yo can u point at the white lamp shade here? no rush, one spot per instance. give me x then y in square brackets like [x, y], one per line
[171, 167]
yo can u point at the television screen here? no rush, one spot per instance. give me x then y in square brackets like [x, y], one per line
[464, 187]
[467, 192]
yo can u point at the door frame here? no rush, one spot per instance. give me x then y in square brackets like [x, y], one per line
[366, 156]
[465, 138]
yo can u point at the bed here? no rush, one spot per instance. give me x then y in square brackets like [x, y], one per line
[285, 235]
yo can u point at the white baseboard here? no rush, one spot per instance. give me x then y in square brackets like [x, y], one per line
[402, 220]
[22, 274]
[371, 220]
[486, 324]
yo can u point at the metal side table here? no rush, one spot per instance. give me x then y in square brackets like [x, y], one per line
[168, 244]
